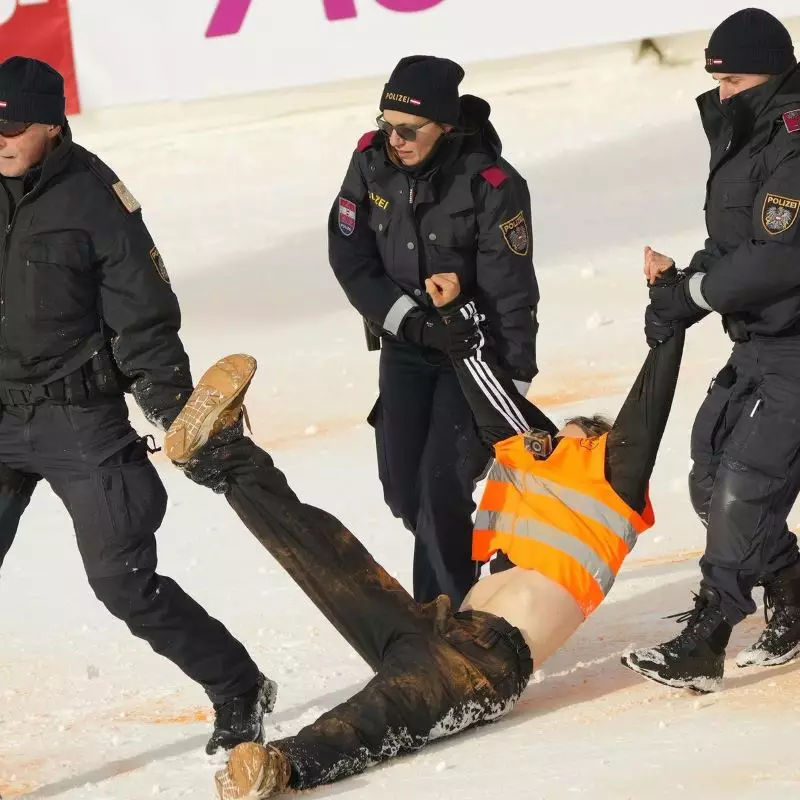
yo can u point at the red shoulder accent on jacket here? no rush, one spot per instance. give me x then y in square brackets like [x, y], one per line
[365, 142]
[495, 175]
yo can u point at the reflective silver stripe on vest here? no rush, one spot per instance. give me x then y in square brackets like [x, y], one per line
[547, 534]
[593, 509]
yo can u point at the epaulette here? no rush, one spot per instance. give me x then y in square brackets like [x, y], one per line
[495, 176]
[366, 141]
[109, 179]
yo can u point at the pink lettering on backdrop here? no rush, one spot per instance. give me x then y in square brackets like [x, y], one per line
[346, 9]
[229, 15]
[228, 18]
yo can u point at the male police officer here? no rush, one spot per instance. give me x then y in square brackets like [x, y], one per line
[429, 193]
[86, 309]
[745, 441]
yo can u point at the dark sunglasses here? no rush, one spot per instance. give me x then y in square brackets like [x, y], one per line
[9, 129]
[408, 133]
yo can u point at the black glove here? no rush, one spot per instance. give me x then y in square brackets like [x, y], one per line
[670, 303]
[656, 331]
[462, 323]
[206, 467]
[426, 329]
[671, 300]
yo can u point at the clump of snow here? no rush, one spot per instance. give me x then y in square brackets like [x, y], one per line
[597, 320]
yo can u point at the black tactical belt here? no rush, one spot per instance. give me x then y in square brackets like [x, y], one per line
[74, 389]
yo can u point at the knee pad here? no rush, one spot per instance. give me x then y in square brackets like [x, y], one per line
[701, 487]
[738, 522]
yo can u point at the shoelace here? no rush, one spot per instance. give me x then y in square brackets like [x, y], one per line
[773, 595]
[769, 604]
[692, 615]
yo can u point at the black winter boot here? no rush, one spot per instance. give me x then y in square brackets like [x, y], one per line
[779, 642]
[695, 659]
[242, 719]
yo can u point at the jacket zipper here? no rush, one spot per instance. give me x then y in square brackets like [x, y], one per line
[8, 230]
[421, 260]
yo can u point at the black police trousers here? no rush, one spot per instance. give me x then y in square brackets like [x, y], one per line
[429, 459]
[438, 672]
[97, 465]
[746, 472]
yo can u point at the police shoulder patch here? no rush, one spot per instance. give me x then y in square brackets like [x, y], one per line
[515, 232]
[130, 203]
[791, 119]
[779, 213]
[347, 216]
[158, 263]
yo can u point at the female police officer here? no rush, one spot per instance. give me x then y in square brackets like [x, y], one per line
[429, 193]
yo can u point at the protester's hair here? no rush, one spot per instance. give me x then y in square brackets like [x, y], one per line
[595, 425]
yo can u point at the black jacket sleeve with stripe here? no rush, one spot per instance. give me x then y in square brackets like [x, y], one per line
[501, 412]
[499, 409]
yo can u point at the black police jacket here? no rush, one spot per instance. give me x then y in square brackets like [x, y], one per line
[751, 259]
[467, 211]
[78, 269]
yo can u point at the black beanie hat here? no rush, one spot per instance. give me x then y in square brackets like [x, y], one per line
[425, 86]
[31, 91]
[750, 42]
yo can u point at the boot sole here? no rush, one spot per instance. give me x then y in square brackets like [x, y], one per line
[775, 661]
[699, 685]
[220, 386]
[253, 773]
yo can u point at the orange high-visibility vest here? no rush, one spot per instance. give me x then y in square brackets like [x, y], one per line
[558, 516]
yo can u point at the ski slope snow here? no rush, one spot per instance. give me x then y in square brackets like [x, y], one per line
[236, 194]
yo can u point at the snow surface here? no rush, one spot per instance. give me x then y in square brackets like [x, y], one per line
[236, 194]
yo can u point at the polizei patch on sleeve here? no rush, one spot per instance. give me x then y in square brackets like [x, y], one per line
[158, 263]
[791, 119]
[515, 232]
[347, 216]
[125, 197]
[779, 213]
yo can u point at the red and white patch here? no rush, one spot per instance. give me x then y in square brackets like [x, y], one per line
[791, 119]
[414, 101]
[3, 104]
[347, 216]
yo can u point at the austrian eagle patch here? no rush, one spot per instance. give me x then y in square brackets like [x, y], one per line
[515, 232]
[779, 213]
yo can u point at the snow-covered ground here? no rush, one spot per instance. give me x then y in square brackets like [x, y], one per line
[236, 194]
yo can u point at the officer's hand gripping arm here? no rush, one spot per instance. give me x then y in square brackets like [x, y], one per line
[500, 411]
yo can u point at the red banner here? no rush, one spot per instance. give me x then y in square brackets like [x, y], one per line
[40, 29]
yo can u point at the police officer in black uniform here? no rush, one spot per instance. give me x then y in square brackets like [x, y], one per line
[746, 438]
[428, 192]
[86, 311]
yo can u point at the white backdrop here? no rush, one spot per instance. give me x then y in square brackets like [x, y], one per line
[130, 51]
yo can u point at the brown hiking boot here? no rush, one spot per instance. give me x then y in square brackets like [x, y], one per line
[253, 773]
[215, 404]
